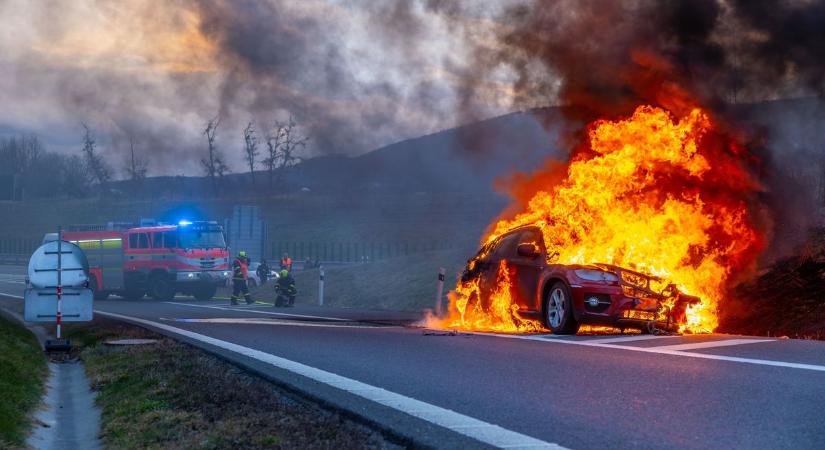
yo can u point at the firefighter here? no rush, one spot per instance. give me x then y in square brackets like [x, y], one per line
[285, 288]
[240, 267]
[286, 262]
[263, 272]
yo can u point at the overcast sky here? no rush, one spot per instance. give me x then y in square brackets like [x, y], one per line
[355, 75]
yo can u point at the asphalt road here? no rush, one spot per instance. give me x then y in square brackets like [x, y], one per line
[614, 391]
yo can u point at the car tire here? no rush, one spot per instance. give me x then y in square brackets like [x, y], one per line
[161, 287]
[204, 293]
[558, 310]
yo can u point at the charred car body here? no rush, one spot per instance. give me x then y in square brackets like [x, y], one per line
[565, 296]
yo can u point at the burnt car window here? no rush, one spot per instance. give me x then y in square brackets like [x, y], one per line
[532, 235]
[507, 245]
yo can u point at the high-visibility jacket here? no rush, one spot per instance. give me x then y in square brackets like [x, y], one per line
[240, 269]
[286, 263]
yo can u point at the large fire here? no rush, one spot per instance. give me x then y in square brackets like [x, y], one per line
[659, 194]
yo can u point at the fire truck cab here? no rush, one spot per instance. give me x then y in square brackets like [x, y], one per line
[190, 258]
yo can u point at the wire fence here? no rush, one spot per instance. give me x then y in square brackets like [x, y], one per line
[345, 252]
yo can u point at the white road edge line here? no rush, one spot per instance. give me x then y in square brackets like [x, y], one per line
[271, 313]
[761, 362]
[11, 295]
[476, 429]
[266, 321]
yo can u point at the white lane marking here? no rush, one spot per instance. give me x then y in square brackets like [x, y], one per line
[457, 422]
[712, 344]
[265, 321]
[761, 362]
[641, 337]
[11, 295]
[226, 308]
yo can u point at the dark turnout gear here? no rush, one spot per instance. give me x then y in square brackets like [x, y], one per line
[240, 267]
[263, 272]
[286, 291]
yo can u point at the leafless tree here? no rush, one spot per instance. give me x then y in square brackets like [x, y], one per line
[94, 161]
[136, 169]
[250, 149]
[284, 142]
[213, 164]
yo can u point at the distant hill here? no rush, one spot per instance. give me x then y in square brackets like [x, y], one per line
[465, 159]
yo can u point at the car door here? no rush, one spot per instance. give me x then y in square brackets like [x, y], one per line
[503, 251]
[528, 269]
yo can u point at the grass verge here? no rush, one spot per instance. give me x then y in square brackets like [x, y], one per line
[22, 375]
[406, 283]
[171, 395]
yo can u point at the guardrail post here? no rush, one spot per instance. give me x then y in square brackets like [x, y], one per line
[440, 291]
[321, 286]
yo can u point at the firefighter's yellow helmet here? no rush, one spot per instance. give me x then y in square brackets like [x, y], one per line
[242, 253]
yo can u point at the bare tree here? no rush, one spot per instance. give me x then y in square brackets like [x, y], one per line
[250, 149]
[94, 161]
[136, 169]
[284, 143]
[213, 164]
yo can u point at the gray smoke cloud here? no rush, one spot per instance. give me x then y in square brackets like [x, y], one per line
[354, 75]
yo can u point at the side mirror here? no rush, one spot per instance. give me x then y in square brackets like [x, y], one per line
[528, 250]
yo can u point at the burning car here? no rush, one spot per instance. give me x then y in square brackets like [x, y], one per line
[515, 272]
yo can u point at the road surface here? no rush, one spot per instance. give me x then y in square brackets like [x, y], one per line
[533, 391]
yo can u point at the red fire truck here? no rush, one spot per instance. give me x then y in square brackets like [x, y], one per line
[190, 257]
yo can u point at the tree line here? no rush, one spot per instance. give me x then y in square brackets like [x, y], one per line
[29, 170]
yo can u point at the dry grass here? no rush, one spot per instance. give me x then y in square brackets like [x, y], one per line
[171, 395]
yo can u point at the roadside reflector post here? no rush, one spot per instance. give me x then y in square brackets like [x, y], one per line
[440, 291]
[321, 286]
[59, 280]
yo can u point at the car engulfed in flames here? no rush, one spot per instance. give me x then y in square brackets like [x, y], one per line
[513, 283]
[645, 226]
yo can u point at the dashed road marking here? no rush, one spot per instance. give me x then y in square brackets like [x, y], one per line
[712, 344]
[664, 351]
[468, 426]
[272, 313]
[641, 337]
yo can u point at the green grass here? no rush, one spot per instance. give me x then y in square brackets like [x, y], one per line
[405, 283]
[171, 396]
[22, 373]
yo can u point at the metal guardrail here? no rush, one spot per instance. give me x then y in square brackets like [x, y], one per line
[14, 259]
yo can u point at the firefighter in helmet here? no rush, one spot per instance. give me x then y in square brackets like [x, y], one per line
[285, 289]
[240, 267]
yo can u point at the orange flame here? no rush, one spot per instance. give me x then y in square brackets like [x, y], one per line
[653, 193]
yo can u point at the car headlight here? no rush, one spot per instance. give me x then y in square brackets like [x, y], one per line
[595, 275]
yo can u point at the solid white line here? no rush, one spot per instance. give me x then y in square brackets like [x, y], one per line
[761, 362]
[263, 321]
[642, 337]
[11, 295]
[476, 429]
[226, 308]
[711, 344]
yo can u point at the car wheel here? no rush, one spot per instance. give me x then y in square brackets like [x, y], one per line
[97, 294]
[558, 310]
[161, 288]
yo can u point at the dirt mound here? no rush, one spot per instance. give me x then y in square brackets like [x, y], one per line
[788, 299]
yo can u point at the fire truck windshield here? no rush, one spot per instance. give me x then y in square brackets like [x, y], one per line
[201, 239]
